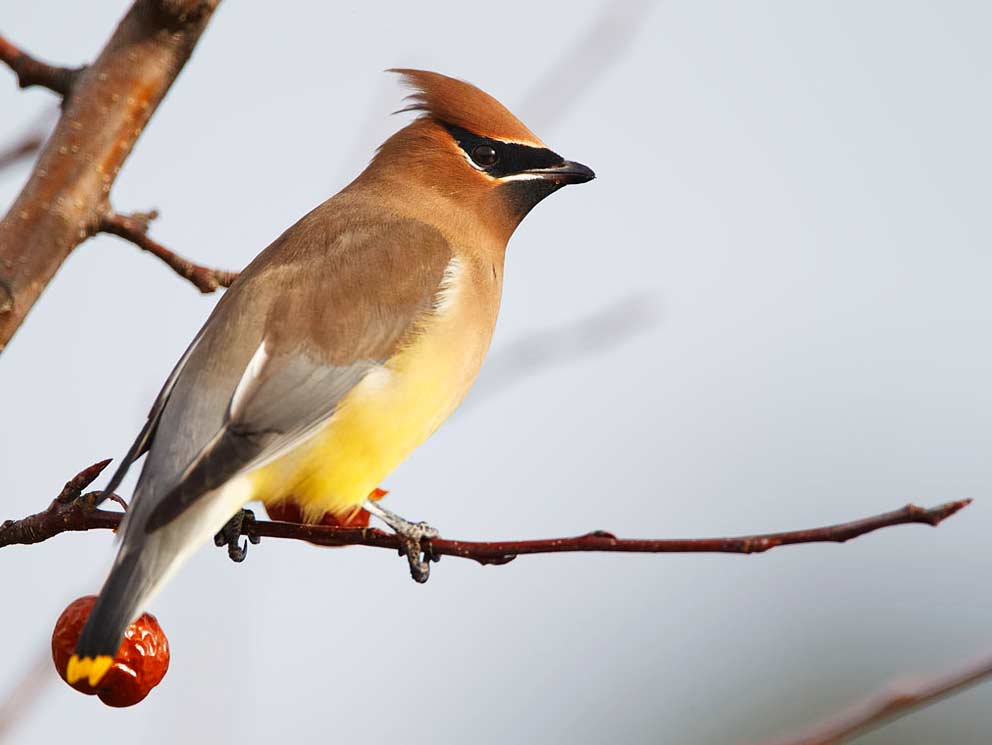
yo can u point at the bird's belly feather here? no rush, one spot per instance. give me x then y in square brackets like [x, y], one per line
[378, 424]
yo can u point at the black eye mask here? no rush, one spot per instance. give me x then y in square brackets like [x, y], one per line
[511, 157]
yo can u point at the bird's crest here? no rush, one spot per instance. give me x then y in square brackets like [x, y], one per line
[459, 103]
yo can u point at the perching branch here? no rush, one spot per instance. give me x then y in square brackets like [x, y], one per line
[74, 511]
[898, 700]
[30, 71]
[134, 228]
[110, 104]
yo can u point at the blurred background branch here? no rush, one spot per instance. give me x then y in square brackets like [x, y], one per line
[21, 148]
[898, 700]
[26, 691]
[30, 141]
[588, 58]
[588, 335]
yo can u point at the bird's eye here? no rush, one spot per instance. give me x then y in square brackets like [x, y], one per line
[484, 155]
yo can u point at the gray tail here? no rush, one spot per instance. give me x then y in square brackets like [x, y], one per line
[120, 601]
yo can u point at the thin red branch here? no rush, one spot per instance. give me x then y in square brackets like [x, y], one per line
[898, 700]
[501, 552]
[134, 228]
[30, 71]
[73, 511]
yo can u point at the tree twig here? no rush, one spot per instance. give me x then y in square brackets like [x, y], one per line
[30, 71]
[134, 228]
[74, 511]
[898, 700]
[111, 103]
[70, 510]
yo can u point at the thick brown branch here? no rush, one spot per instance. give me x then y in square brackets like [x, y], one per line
[30, 71]
[898, 700]
[112, 100]
[134, 228]
[78, 514]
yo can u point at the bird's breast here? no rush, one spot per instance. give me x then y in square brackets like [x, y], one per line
[396, 406]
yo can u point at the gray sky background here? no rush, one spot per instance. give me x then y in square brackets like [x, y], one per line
[786, 260]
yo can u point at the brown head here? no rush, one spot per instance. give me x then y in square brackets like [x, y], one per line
[471, 155]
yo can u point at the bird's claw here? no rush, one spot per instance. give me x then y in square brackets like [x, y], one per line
[232, 531]
[414, 538]
[415, 545]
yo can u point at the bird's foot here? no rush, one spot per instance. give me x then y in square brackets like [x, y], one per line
[412, 540]
[232, 532]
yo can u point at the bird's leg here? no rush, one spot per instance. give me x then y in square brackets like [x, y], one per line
[411, 535]
[232, 531]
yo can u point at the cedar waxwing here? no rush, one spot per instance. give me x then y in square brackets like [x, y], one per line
[337, 351]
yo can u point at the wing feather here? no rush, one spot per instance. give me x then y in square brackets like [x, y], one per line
[306, 321]
[143, 441]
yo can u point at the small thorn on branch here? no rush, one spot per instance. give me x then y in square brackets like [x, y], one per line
[134, 228]
[143, 219]
[30, 71]
[71, 510]
[73, 488]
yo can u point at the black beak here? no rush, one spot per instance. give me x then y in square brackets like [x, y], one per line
[567, 172]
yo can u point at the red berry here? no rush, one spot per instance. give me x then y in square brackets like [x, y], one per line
[139, 665]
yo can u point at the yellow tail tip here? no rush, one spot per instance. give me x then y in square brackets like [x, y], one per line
[91, 668]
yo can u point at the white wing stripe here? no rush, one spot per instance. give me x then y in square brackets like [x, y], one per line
[252, 371]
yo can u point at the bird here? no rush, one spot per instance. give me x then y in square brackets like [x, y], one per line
[337, 352]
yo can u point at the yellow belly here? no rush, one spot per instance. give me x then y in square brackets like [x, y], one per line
[377, 425]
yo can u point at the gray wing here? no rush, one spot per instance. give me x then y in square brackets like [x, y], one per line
[144, 438]
[332, 298]
[271, 410]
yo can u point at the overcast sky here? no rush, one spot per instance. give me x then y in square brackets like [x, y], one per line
[770, 311]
